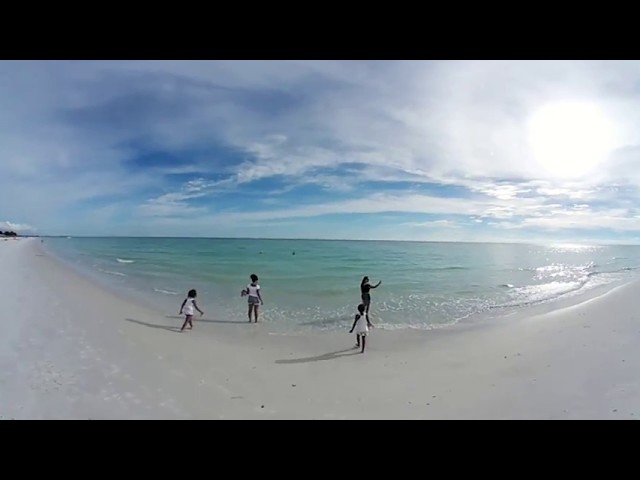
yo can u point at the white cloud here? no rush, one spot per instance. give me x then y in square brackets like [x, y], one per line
[503, 214]
[176, 203]
[16, 227]
[434, 224]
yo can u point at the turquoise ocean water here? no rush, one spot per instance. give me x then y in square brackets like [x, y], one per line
[425, 285]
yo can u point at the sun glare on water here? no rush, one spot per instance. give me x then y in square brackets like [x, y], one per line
[570, 139]
[573, 247]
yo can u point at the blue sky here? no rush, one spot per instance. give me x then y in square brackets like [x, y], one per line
[402, 150]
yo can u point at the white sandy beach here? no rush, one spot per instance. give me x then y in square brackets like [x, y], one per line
[69, 349]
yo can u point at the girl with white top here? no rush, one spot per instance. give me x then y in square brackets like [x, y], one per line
[188, 308]
[361, 325]
[254, 298]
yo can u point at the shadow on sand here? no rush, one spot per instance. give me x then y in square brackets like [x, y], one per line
[327, 356]
[196, 318]
[153, 325]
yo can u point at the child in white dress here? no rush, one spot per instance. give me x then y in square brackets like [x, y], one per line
[361, 325]
[188, 307]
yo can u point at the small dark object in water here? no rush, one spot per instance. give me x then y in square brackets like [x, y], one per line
[293, 253]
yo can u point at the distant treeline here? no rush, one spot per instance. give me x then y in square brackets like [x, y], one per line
[9, 234]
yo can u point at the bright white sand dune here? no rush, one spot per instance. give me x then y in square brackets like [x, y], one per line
[69, 349]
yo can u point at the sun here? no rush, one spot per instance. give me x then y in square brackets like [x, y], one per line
[569, 139]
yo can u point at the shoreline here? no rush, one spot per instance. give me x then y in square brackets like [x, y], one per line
[229, 327]
[80, 351]
[161, 303]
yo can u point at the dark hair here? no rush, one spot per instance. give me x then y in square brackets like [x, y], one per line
[361, 308]
[364, 280]
[192, 293]
[254, 277]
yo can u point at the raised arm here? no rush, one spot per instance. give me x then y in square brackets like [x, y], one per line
[376, 285]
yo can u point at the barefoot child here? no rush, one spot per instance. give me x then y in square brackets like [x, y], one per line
[361, 325]
[254, 299]
[188, 307]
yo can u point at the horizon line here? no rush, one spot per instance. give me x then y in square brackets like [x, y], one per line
[510, 242]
